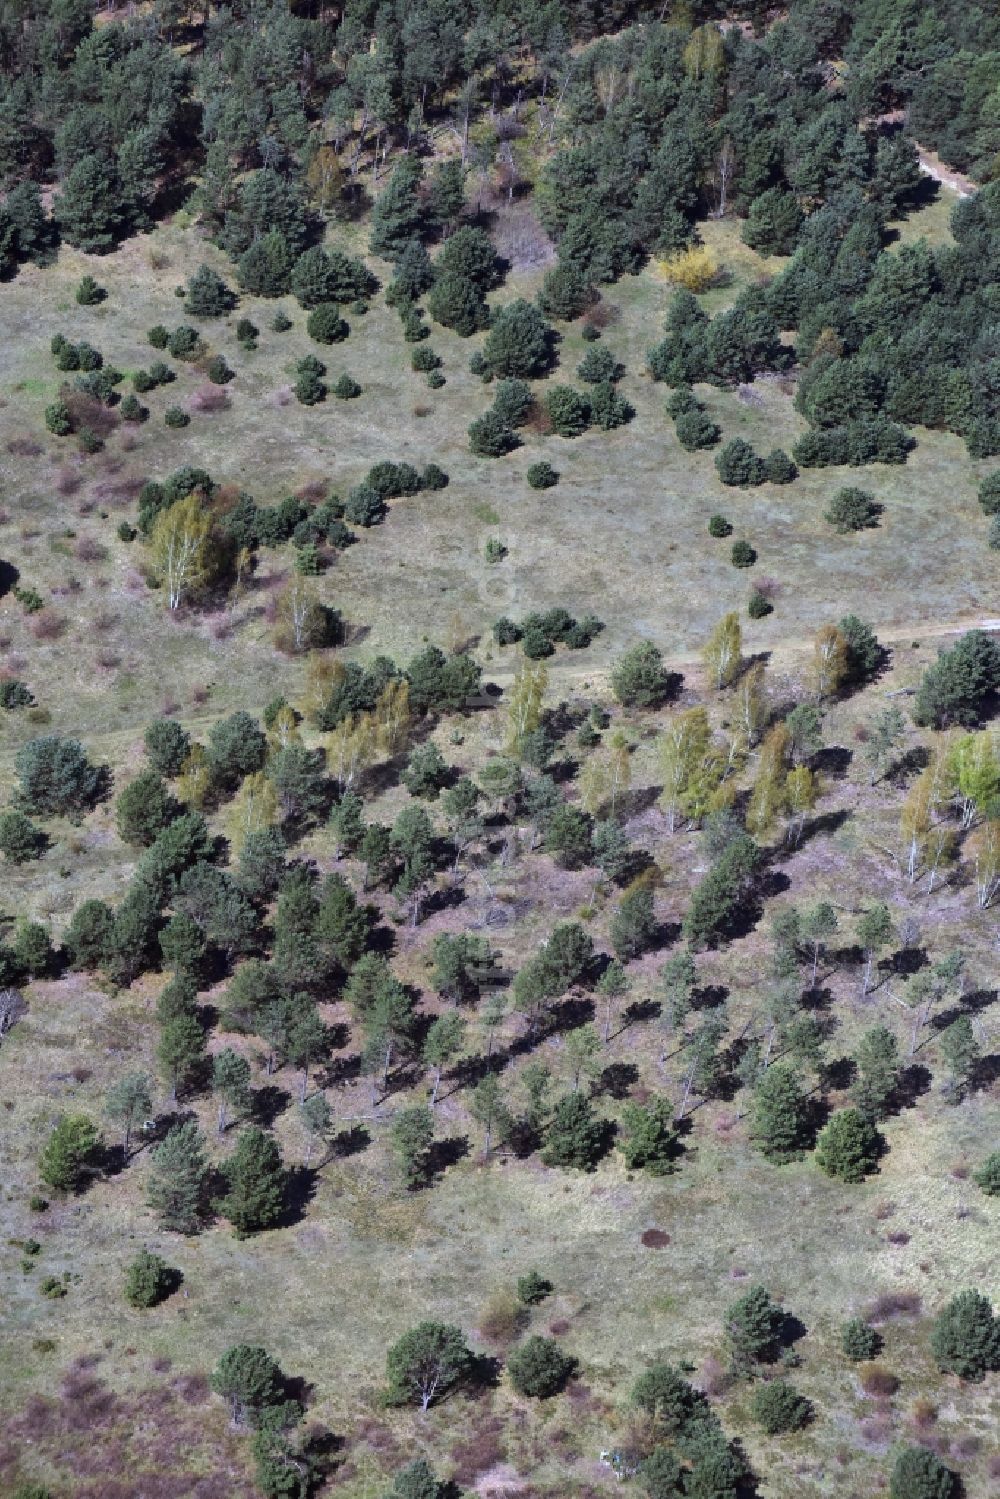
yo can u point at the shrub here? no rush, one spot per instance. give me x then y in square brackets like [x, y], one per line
[539, 1368]
[88, 293]
[533, 1288]
[326, 325]
[779, 468]
[966, 1337]
[778, 1407]
[759, 606]
[142, 381]
[859, 1341]
[989, 493]
[132, 410]
[183, 342]
[149, 1280]
[542, 475]
[512, 402]
[433, 477]
[987, 1178]
[58, 419]
[993, 535]
[20, 840]
[696, 430]
[158, 336]
[424, 360]
[365, 506]
[345, 388]
[742, 554]
[568, 410]
[852, 510]
[694, 268]
[718, 526]
[608, 408]
[247, 333]
[14, 694]
[281, 322]
[490, 436]
[738, 464]
[218, 370]
[160, 373]
[435, 380]
[309, 388]
[920, 1474]
[175, 418]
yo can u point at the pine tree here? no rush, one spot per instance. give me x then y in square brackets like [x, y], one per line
[89, 209]
[69, 1154]
[257, 1180]
[779, 1115]
[178, 1179]
[847, 1147]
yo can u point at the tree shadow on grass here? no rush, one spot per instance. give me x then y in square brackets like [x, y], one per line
[442, 1154]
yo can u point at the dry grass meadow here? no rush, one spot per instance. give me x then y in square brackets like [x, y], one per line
[89, 1386]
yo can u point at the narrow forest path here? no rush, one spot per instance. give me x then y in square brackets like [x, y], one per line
[932, 166]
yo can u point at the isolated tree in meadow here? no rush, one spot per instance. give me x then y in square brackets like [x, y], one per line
[987, 1177]
[128, 1102]
[611, 986]
[70, 1153]
[250, 1379]
[426, 1364]
[777, 1407]
[920, 1474]
[754, 1325]
[819, 925]
[149, 1280]
[966, 1337]
[638, 678]
[178, 1178]
[55, 778]
[538, 1367]
[847, 1147]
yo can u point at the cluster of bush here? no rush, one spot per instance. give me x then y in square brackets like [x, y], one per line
[539, 634]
